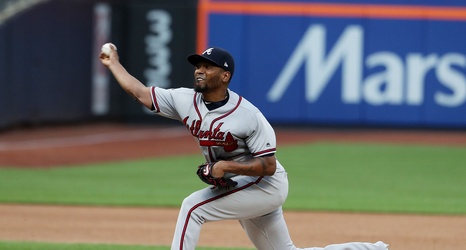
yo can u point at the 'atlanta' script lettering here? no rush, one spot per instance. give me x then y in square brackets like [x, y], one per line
[214, 137]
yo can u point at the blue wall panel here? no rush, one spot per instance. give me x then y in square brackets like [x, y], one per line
[355, 70]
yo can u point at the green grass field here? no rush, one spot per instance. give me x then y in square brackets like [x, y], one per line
[323, 176]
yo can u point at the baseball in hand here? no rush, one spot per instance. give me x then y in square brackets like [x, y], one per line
[106, 48]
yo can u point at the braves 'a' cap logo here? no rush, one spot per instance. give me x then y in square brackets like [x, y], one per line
[208, 51]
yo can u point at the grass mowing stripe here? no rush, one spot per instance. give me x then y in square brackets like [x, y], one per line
[60, 246]
[323, 176]
[149, 182]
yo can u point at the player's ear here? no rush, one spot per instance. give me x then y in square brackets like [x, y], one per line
[226, 76]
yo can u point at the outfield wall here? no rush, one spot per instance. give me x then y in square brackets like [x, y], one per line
[49, 66]
[332, 62]
[355, 62]
[44, 63]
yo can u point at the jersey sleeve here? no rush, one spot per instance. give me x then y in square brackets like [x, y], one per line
[262, 140]
[166, 101]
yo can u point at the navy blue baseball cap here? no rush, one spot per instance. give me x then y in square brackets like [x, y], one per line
[218, 56]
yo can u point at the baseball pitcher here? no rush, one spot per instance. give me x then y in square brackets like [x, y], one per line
[245, 180]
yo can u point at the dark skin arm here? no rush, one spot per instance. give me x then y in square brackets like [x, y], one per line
[259, 166]
[129, 83]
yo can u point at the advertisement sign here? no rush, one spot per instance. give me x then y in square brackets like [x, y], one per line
[345, 62]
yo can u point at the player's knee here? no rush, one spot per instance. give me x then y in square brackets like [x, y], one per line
[190, 204]
[190, 201]
[191, 209]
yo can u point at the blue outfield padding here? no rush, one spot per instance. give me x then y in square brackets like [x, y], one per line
[347, 62]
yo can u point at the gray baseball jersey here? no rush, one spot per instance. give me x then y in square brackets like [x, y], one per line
[236, 131]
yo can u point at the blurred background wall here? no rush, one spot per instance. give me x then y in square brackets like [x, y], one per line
[49, 67]
[390, 63]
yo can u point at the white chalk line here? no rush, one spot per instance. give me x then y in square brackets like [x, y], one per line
[93, 139]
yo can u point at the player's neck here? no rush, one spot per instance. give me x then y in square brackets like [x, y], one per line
[215, 97]
[215, 105]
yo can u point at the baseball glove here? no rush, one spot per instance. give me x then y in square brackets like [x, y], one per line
[204, 172]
